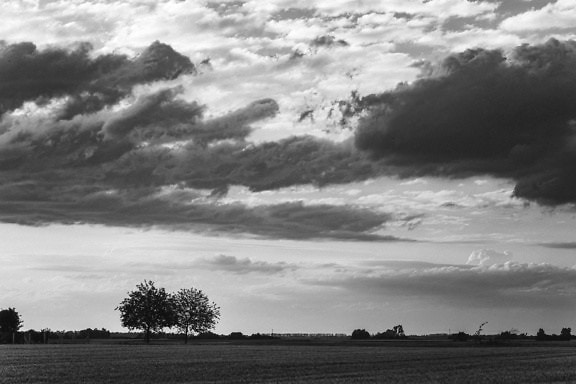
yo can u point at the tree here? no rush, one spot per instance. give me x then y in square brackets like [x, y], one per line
[10, 322]
[194, 312]
[399, 331]
[148, 308]
[478, 334]
[360, 334]
[566, 333]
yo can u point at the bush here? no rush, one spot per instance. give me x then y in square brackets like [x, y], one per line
[236, 335]
[460, 336]
[207, 335]
[259, 336]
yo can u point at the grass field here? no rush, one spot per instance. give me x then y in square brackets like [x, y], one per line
[287, 363]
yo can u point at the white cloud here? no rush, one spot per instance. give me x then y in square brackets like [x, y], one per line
[439, 8]
[480, 38]
[486, 257]
[558, 15]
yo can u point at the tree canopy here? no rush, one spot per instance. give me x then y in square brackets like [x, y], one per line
[10, 320]
[194, 312]
[148, 308]
[152, 309]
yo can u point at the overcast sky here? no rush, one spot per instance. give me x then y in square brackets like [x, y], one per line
[312, 166]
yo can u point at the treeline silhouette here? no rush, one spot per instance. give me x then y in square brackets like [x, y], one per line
[11, 322]
[397, 332]
[48, 336]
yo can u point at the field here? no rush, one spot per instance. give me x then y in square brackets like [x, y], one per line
[288, 363]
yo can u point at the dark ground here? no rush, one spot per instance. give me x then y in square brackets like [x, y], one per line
[301, 361]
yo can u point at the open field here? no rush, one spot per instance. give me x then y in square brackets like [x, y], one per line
[287, 363]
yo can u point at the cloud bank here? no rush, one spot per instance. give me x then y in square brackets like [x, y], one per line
[29, 74]
[482, 112]
[507, 285]
[118, 142]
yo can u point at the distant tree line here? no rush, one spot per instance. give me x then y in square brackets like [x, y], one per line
[190, 313]
[565, 335]
[397, 332]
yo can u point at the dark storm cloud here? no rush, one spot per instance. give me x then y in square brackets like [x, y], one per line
[267, 166]
[155, 115]
[144, 161]
[273, 165]
[29, 74]
[135, 131]
[481, 112]
[187, 210]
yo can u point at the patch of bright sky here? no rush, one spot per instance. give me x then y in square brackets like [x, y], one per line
[476, 209]
[74, 276]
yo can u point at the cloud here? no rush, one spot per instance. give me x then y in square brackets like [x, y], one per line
[178, 208]
[158, 112]
[29, 74]
[481, 112]
[140, 160]
[266, 166]
[246, 265]
[508, 285]
[486, 257]
[557, 15]
[568, 245]
[328, 41]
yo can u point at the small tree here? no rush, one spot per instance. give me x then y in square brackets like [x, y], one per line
[194, 312]
[478, 334]
[10, 322]
[399, 331]
[148, 308]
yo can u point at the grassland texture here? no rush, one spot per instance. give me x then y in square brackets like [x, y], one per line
[232, 363]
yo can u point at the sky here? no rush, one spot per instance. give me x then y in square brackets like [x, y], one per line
[312, 166]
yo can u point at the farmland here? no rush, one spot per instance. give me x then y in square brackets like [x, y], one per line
[237, 362]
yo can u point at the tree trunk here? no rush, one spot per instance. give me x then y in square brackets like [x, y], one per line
[147, 335]
[186, 337]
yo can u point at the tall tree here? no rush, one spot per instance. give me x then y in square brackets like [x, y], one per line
[148, 308]
[10, 322]
[194, 312]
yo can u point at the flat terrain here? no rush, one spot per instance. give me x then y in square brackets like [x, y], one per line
[287, 363]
